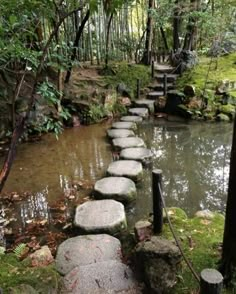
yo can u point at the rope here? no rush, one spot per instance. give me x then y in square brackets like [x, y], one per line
[196, 276]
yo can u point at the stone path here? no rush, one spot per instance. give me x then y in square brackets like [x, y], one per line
[92, 263]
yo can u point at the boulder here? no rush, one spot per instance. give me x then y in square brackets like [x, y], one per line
[84, 250]
[117, 188]
[205, 214]
[41, 257]
[143, 230]
[174, 98]
[123, 90]
[158, 259]
[189, 90]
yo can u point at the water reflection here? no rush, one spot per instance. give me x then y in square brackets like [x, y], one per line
[195, 162]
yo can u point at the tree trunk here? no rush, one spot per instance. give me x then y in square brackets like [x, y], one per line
[163, 35]
[176, 27]
[228, 262]
[76, 44]
[107, 39]
[149, 35]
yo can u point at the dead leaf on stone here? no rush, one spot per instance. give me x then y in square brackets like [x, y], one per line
[205, 222]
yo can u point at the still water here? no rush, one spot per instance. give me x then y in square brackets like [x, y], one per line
[194, 158]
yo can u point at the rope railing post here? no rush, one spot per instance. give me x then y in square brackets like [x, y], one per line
[211, 282]
[153, 69]
[138, 88]
[165, 84]
[157, 201]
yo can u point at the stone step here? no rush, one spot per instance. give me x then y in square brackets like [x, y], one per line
[124, 125]
[107, 277]
[131, 118]
[139, 111]
[143, 155]
[117, 188]
[145, 103]
[131, 169]
[122, 143]
[155, 95]
[84, 250]
[100, 216]
[121, 133]
[160, 86]
[170, 77]
[164, 68]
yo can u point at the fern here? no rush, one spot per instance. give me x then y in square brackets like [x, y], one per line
[2, 250]
[19, 250]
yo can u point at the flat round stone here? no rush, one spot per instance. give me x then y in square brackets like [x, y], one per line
[143, 112]
[126, 168]
[132, 118]
[84, 250]
[121, 133]
[121, 143]
[140, 154]
[124, 125]
[117, 188]
[101, 278]
[145, 103]
[101, 216]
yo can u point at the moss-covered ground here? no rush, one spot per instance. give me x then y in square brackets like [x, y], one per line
[201, 240]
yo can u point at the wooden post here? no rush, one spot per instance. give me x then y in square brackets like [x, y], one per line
[211, 282]
[165, 84]
[153, 69]
[157, 201]
[138, 88]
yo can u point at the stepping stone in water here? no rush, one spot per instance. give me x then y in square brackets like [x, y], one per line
[149, 104]
[84, 250]
[154, 95]
[126, 168]
[140, 154]
[101, 216]
[124, 125]
[117, 188]
[143, 112]
[121, 133]
[101, 278]
[121, 143]
[132, 118]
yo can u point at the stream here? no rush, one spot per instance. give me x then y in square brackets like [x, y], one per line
[194, 158]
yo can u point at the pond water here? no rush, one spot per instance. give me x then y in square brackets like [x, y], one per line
[194, 158]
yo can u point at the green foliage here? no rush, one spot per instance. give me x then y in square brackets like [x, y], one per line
[19, 250]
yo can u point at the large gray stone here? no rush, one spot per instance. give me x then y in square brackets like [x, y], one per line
[132, 118]
[149, 104]
[84, 250]
[122, 143]
[101, 277]
[158, 259]
[117, 188]
[126, 168]
[121, 133]
[124, 125]
[101, 216]
[143, 112]
[140, 154]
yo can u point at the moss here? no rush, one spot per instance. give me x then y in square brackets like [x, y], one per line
[227, 109]
[14, 272]
[222, 117]
[201, 241]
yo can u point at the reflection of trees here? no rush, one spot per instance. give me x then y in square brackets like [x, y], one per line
[194, 159]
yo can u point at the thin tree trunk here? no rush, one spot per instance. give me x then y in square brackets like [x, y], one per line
[107, 40]
[164, 38]
[176, 27]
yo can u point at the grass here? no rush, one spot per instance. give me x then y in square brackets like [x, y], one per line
[201, 240]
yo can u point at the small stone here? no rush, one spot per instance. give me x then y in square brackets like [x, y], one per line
[41, 257]
[132, 118]
[205, 214]
[141, 154]
[124, 125]
[122, 143]
[126, 168]
[84, 250]
[143, 112]
[121, 133]
[101, 216]
[117, 188]
[143, 230]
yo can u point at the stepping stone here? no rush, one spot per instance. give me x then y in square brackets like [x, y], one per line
[140, 154]
[154, 95]
[145, 103]
[121, 143]
[124, 125]
[143, 112]
[132, 118]
[117, 188]
[84, 250]
[121, 133]
[101, 216]
[107, 277]
[126, 168]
